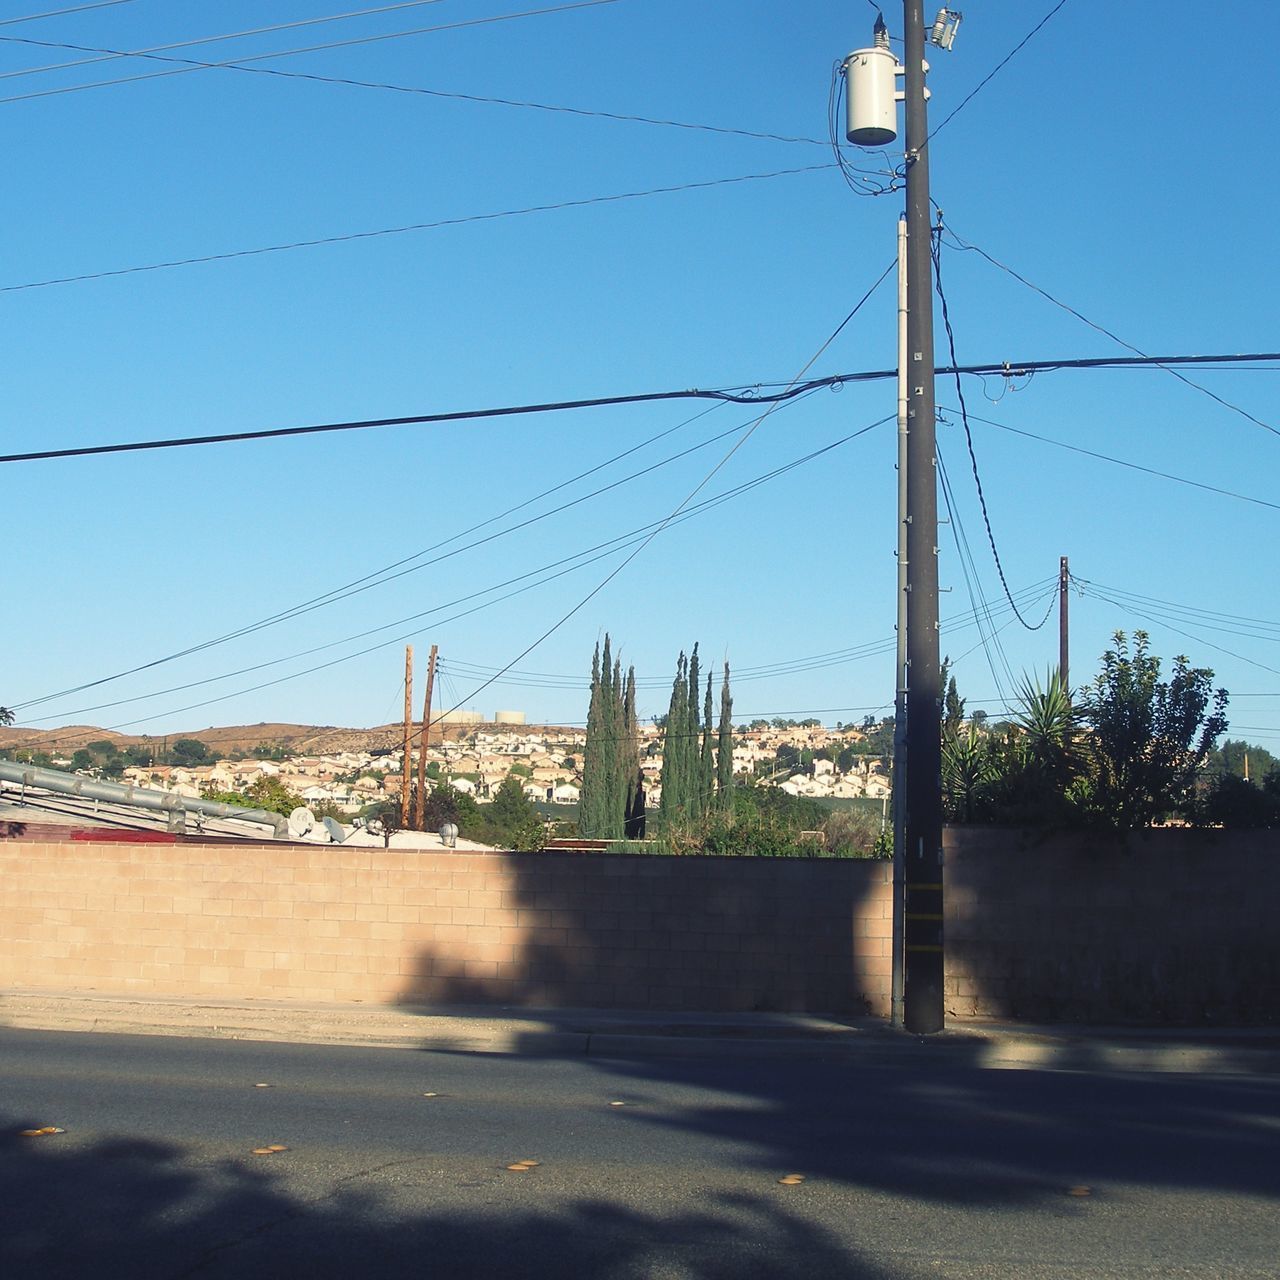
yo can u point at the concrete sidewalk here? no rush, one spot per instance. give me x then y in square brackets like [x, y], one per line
[621, 1033]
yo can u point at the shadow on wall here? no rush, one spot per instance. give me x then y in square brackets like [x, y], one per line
[1170, 927]
[663, 933]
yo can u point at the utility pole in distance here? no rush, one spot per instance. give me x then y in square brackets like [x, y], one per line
[408, 734]
[420, 807]
[1064, 581]
[923, 986]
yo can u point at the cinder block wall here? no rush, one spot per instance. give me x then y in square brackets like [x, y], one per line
[325, 924]
[1174, 927]
[1178, 927]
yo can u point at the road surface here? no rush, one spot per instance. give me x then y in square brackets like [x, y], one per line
[396, 1164]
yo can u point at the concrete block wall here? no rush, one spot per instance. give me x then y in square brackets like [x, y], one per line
[1174, 927]
[383, 926]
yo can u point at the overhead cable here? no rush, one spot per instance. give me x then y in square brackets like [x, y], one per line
[62, 13]
[736, 396]
[796, 382]
[188, 65]
[435, 225]
[452, 95]
[968, 435]
[110, 55]
[965, 247]
[1121, 462]
[991, 75]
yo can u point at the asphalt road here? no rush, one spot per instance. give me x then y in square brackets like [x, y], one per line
[396, 1165]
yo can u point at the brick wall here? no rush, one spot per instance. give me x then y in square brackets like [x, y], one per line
[324, 924]
[1172, 926]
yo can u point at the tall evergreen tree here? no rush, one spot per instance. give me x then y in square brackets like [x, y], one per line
[631, 775]
[706, 763]
[724, 753]
[691, 788]
[673, 767]
[590, 816]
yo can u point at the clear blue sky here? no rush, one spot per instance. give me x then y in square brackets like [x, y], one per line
[1120, 161]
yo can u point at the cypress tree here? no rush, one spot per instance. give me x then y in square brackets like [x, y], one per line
[673, 743]
[589, 823]
[707, 767]
[691, 787]
[724, 754]
[631, 775]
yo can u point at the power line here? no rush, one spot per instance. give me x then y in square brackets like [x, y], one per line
[436, 225]
[1149, 616]
[637, 538]
[1120, 462]
[386, 86]
[609, 577]
[61, 13]
[389, 573]
[109, 55]
[991, 75]
[968, 435]
[187, 65]
[756, 394]
[1057, 302]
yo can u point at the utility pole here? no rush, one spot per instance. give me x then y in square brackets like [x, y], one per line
[1064, 581]
[408, 734]
[900, 664]
[922, 933]
[420, 809]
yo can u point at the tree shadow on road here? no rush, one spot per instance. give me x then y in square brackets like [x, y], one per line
[128, 1207]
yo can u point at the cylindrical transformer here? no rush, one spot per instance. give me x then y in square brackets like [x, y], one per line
[871, 111]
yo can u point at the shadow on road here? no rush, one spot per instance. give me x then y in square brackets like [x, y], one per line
[133, 1208]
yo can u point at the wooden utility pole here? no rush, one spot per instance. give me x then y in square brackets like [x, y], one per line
[1064, 581]
[408, 734]
[420, 808]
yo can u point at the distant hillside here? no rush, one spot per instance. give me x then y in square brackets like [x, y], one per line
[308, 739]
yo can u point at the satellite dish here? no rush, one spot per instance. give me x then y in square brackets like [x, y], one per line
[337, 832]
[301, 820]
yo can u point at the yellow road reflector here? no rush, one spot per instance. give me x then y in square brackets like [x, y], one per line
[274, 1149]
[44, 1132]
[791, 1179]
[1079, 1191]
[523, 1166]
[262, 1085]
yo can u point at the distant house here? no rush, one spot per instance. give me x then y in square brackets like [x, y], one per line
[565, 793]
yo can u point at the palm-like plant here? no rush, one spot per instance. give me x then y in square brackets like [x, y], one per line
[1048, 724]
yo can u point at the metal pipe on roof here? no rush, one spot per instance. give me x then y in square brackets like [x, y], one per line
[74, 784]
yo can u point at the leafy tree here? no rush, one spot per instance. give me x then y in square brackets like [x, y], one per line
[6, 716]
[511, 820]
[81, 760]
[1233, 757]
[1230, 801]
[1149, 736]
[952, 702]
[190, 751]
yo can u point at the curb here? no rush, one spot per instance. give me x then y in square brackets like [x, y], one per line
[582, 1034]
